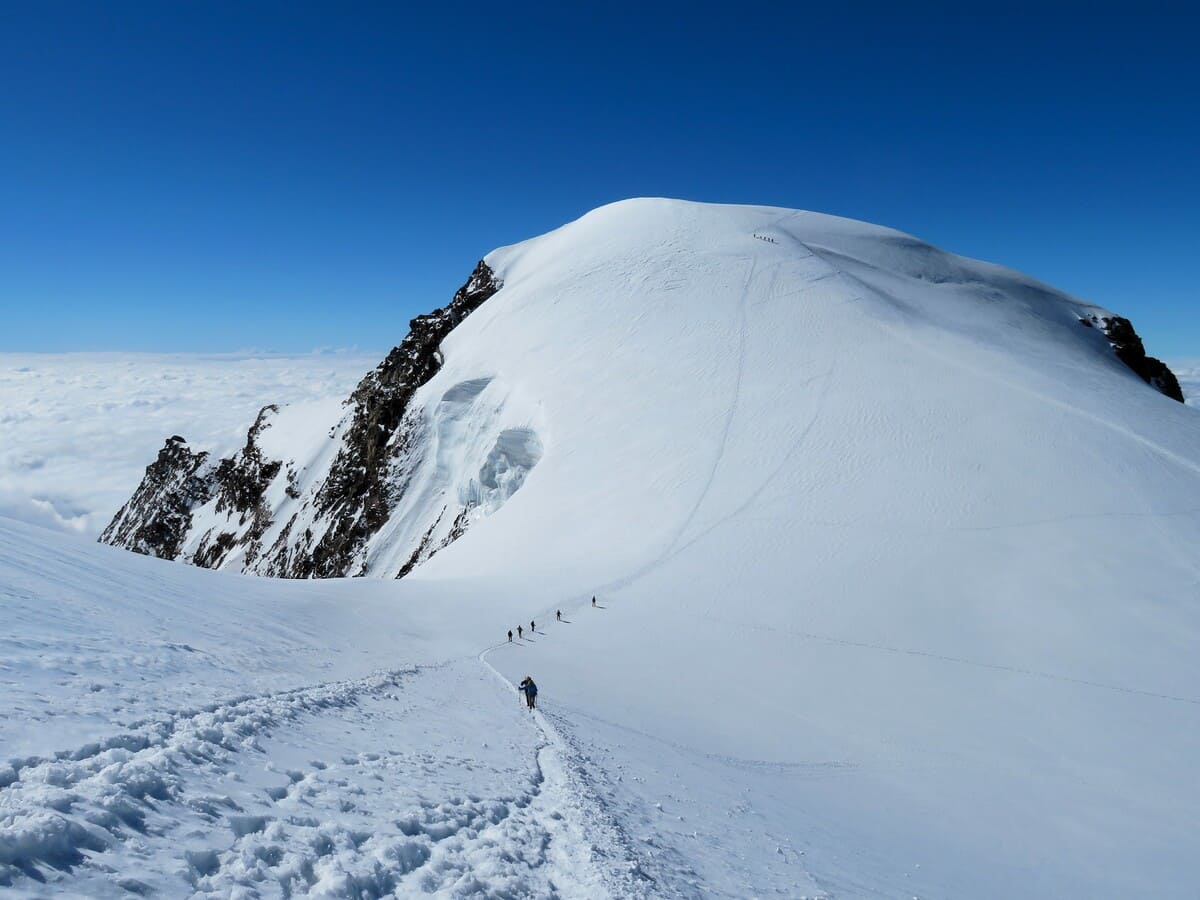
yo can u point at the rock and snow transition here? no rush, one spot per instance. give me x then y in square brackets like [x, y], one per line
[895, 558]
[1188, 372]
[449, 426]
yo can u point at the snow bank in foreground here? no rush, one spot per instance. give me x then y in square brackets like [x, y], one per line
[79, 428]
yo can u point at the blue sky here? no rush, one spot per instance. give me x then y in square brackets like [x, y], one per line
[216, 176]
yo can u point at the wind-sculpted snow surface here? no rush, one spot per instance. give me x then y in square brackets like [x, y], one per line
[895, 568]
[271, 755]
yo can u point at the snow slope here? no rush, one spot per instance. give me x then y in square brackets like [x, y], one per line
[896, 579]
[172, 731]
[857, 505]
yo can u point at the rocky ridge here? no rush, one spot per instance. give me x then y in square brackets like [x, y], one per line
[217, 512]
[1129, 349]
[155, 520]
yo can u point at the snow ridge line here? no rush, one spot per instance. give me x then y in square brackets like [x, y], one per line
[991, 375]
[590, 844]
[88, 800]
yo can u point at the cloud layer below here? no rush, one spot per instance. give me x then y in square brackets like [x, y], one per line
[79, 428]
[1188, 373]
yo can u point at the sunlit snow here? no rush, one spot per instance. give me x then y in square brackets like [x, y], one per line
[896, 580]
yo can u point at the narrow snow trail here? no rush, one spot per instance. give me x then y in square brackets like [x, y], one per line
[422, 780]
[585, 836]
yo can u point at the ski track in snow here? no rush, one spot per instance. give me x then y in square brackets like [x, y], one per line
[743, 329]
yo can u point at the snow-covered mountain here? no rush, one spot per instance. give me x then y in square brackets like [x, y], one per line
[895, 563]
[314, 484]
[446, 429]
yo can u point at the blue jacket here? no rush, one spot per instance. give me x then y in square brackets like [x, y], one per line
[529, 688]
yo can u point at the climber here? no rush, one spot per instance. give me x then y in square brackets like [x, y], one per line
[510, 635]
[529, 689]
[519, 632]
[558, 614]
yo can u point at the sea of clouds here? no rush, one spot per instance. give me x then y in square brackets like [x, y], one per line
[1188, 373]
[77, 430]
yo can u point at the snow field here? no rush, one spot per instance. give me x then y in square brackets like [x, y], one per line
[897, 571]
[452, 790]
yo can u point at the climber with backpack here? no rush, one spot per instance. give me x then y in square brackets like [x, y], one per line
[529, 689]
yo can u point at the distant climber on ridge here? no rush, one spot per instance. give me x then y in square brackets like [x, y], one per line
[519, 632]
[510, 635]
[558, 614]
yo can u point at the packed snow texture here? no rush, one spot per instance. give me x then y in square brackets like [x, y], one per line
[896, 580]
[80, 428]
[282, 749]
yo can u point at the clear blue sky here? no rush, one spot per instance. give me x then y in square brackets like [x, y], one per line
[215, 176]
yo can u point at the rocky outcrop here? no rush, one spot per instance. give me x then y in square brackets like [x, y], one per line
[1129, 349]
[356, 495]
[241, 481]
[157, 517]
[321, 531]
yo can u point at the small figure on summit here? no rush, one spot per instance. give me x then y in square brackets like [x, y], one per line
[519, 632]
[532, 627]
[529, 689]
[593, 602]
[510, 635]
[558, 615]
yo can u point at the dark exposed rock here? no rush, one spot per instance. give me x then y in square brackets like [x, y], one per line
[1130, 350]
[214, 550]
[368, 476]
[420, 553]
[355, 494]
[242, 479]
[156, 519]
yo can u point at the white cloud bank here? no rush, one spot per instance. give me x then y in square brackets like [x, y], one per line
[77, 430]
[1188, 373]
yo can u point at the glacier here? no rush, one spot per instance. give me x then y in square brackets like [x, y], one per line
[895, 570]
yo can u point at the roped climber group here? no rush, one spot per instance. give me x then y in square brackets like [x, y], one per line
[527, 686]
